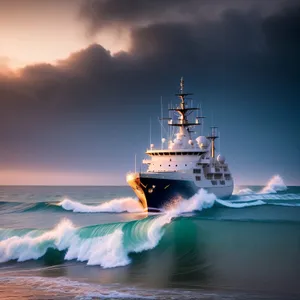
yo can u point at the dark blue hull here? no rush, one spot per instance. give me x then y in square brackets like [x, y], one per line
[156, 193]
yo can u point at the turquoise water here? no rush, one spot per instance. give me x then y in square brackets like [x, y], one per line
[96, 242]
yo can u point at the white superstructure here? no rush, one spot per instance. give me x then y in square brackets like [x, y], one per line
[183, 162]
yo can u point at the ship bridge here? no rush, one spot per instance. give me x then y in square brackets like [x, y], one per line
[180, 152]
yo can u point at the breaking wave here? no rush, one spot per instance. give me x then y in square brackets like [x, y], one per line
[127, 204]
[268, 195]
[274, 185]
[107, 245]
[271, 194]
[116, 205]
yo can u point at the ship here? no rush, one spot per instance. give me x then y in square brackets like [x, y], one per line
[182, 165]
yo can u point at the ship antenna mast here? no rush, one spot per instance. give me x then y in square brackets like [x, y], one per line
[213, 135]
[161, 124]
[181, 85]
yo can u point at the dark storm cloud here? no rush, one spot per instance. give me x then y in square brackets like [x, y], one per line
[80, 112]
[105, 13]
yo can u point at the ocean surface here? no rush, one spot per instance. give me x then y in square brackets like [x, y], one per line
[97, 243]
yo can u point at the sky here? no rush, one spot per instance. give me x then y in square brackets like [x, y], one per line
[80, 81]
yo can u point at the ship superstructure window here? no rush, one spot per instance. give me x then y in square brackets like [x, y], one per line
[174, 153]
[214, 182]
[227, 177]
[198, 178]
[197, 171]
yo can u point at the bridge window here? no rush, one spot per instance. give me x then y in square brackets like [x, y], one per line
[197, 171]
[227, 177]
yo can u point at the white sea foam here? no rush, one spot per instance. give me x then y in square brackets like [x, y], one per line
[269, 192]
[266, 196]
[108, 250]
[245, 191]
[116, 205]
[275, 184]
[33, 247]
[201, 200]
[240, 205]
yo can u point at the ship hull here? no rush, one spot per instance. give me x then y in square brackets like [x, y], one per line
[156, 194]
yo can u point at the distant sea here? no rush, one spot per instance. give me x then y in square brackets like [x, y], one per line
[97, 243]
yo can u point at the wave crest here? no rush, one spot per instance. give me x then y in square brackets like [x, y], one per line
[108, 250]
[116, 205]
[274, 185]
[107, 245]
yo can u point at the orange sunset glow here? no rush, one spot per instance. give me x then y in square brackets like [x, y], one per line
[79, 80]
[30, 36]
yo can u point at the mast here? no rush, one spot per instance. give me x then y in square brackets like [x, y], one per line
[212, 137]
[161, 125]
[150, 133]
[201, 118]
[183, 110]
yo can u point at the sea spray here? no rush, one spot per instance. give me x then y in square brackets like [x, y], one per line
[245, 191]
[275, 184]
[266, 196]
[239, 204]
[116, 205]
[107, 245]
[35, 243]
